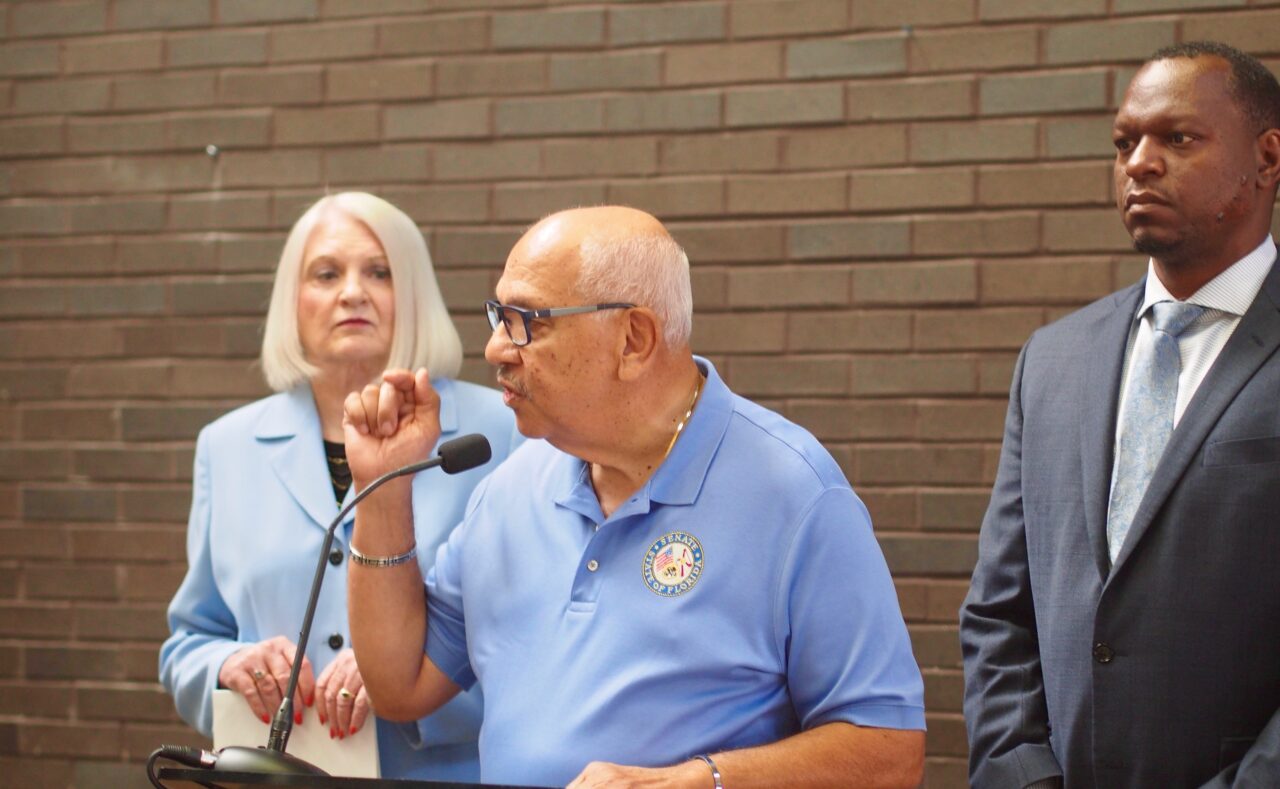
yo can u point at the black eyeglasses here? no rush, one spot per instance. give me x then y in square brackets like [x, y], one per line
[518, 330]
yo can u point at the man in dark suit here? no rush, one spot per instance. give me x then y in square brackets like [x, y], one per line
[1123, 624]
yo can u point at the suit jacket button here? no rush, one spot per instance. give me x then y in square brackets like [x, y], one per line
[335, 557]
[1103, 653]
[335, 641]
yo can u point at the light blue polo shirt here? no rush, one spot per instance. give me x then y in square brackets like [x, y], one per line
[738, 598]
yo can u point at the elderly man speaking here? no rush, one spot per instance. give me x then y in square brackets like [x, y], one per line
[674, 588]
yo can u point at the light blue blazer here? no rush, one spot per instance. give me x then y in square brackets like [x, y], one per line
[261, 502]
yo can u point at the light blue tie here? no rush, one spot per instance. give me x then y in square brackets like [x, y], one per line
[1148, 415]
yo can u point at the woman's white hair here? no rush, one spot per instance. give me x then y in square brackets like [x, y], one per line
[423, 335]
[648, 271]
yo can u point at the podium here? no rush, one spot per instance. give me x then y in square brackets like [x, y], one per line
[191, 778]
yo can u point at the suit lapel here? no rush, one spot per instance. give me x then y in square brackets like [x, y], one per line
[1254, 340]
[1105, 362]
[289, 432]
[447, 390]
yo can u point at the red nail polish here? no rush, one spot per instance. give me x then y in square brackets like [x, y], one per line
[323, 720]
[265, 719]
[353, 729]
[311, 700]
[297, 718]
[331, 732]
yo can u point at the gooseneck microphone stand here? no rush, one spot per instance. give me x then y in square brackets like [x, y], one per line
[455, 456]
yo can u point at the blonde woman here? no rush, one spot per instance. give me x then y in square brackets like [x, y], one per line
[354, 294]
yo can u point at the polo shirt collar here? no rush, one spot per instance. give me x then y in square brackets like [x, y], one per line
[680, 477]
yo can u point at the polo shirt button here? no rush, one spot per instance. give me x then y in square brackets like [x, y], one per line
[335, 641]
[593, 565]
[335, 557]
[1103, 653]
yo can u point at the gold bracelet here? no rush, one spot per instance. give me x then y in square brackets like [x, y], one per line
[383, 561]
[715, 771]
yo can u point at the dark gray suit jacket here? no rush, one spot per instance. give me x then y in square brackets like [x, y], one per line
[1164, 670]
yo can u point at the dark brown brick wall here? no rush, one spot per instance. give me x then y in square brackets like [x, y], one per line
[881, 199]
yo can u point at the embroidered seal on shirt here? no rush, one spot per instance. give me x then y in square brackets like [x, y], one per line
[673, 564]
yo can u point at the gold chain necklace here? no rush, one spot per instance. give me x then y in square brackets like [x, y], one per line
[684, 420]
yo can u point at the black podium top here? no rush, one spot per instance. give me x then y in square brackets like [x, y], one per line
[189, 778]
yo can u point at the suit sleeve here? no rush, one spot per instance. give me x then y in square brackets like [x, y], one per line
[1004, 701]
[1260, 767]
[203, 629]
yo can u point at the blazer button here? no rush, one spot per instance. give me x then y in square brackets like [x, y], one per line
[1103, 653]
[335, 557]
[335, 641]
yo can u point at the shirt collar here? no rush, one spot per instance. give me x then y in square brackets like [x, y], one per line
[1231, 292]
[680, 476]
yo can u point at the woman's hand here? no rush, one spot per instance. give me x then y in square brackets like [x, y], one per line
[344, 703]
[260, 673]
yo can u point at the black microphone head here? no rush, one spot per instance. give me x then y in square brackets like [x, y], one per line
[465, 452]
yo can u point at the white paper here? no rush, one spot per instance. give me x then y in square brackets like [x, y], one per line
[355, 756]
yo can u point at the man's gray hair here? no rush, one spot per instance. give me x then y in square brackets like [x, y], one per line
[648, 271]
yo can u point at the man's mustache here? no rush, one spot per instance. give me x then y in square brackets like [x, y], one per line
[511, 383]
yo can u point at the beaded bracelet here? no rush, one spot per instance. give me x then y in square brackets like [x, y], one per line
[383, 561]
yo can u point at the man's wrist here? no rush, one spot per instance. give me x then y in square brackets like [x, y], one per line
[389, 507]
[712, 770]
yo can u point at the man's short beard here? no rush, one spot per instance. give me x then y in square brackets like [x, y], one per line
[1154, 247]
[1170, 252]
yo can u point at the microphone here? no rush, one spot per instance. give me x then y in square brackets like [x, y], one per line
[460, 454]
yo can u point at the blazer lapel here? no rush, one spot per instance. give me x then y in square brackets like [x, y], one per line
[289, 432]
[1105, 362]
[448, 407]
[1254, 341]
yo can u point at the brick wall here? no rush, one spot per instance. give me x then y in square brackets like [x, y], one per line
[881, 199]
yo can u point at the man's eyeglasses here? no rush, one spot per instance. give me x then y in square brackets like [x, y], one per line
[516, 320]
